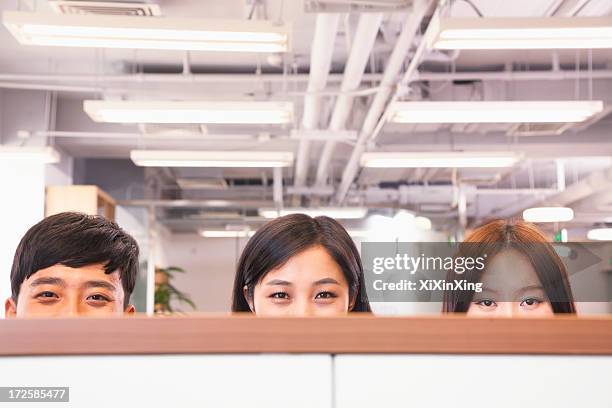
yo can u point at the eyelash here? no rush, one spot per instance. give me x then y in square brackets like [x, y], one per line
[285, 295]
[536, 301]
[481, 302]
[41, 295]
[329, 295]
[104, 298]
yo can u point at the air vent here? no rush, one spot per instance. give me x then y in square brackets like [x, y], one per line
[202, 184]
[539, 129]
[105, 7]
[334, 6]
[215, 215]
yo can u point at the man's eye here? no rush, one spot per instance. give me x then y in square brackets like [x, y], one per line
[486, 303]
[46, 294]
[530, 303]
[280, 295]
[98, 298]
[325, 295]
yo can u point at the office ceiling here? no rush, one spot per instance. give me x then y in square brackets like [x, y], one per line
[72, 75]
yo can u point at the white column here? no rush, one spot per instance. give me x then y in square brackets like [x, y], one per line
[22, 204]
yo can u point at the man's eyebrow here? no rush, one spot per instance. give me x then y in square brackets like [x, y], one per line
[100, 284]
[279, 282]
[47, 281]
[327, 281]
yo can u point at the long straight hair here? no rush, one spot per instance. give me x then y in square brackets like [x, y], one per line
[499, 235]
[281, 239]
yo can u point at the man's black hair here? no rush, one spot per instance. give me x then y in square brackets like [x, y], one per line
[75, 240]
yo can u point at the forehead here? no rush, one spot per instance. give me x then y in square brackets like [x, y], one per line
[75, 276]
[508, 271]
[306, 267]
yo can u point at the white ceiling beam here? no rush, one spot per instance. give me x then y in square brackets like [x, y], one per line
[363, 43]
[326, 30]
[387, 86]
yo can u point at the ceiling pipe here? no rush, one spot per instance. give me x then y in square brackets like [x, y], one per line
[326, 29]
[114, 83]
[569, 8]
[596, 182]
[183, 135]
[174, 78]
[394, 66]
[539, 75]
[363, 43]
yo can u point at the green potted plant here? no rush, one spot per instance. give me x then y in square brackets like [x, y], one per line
[165, 292]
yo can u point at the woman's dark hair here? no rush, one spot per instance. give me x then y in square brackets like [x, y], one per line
[76, 240]
[283, 238]
[499, 235]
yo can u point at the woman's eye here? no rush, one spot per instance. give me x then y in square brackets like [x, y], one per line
[325, 295]
[280, 295]
[98, 298]
[486, 303]
[530, 303]
[47, 295]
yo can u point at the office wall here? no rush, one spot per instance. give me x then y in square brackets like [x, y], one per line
[209, 264]
[22, 205]
[22, 185]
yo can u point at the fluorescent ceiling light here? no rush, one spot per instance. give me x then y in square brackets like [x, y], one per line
[438, 159]
[548, 214]
[333, 212]
[423, 223]
[189, 158]
[357, 233]
[17, 154]
[522, 33]
[494, 111]
[600, 234]
[227, 233]
[271, 113]
[160, 33]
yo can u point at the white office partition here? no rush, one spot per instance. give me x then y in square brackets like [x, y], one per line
[468, 381]
[181, 381]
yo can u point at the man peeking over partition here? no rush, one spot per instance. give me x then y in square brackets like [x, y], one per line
[73, 264]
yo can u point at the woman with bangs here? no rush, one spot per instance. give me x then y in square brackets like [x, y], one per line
[523, 275]
[297, 265]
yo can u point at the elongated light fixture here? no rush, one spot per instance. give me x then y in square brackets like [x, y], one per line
[438, 159]
[494, 111]
[600, 234]
[227, 233]
[26, 154]
[333, 212]
[548, 214]
[189, 158]
[522, 33]
[255, 112]
[159, 33]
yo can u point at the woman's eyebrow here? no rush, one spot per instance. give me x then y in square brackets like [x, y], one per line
[527, 288]
[326, 281]
[493, 291]
[279, 282]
